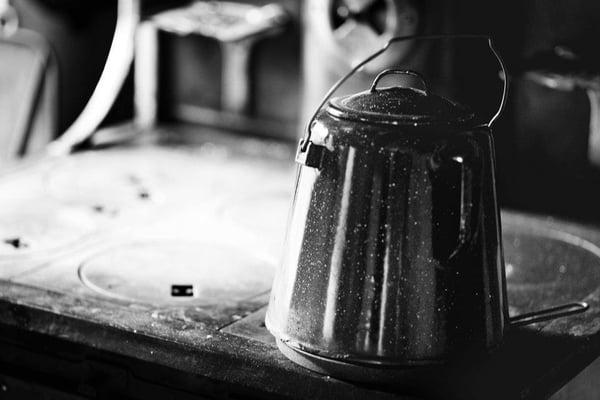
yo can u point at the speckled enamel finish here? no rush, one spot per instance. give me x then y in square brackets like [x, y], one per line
[382, 265]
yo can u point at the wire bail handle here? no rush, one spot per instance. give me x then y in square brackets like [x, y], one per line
[305, 141]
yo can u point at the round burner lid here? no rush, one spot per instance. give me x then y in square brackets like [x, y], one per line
[167, 272]
[110, 181]
[34, 226]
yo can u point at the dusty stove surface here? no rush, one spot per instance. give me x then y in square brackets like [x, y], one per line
[135, 223]
[164, 251]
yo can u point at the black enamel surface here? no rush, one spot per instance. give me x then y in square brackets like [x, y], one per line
[393, 252]
[397, 105]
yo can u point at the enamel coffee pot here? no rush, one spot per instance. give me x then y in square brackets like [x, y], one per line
[393, 255]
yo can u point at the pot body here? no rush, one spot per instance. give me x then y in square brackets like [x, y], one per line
[393, 253]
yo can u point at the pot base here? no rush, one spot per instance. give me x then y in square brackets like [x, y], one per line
[393, 375]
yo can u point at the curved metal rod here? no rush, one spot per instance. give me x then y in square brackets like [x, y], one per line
[118, 62]
[504, 77]
[376, 54]
[548, 314]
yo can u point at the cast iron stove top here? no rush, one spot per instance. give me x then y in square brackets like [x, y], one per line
[163, 251]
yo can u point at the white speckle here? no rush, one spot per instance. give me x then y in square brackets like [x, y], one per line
[562, 269]
[509, 269]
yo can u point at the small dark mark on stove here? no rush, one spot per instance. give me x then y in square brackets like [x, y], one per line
[182, 290]
[100, 209]
[262, 324]
[144, 194]
[16, 242]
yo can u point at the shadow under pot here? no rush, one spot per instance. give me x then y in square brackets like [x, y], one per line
[393, 256]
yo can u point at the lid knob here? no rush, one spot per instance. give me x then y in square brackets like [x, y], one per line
[392, 71]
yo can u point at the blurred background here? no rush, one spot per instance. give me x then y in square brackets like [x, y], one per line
[268, 79]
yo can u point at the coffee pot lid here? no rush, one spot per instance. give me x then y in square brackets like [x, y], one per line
[399, 105]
